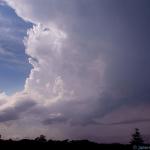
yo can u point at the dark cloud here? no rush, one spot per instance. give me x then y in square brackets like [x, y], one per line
[8, 115]
[133, 121]
[24, 105]
[16, 112]
[55, 120]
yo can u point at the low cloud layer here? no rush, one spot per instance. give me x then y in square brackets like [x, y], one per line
[86, 66]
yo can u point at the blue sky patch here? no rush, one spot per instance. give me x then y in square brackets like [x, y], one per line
[14, 66]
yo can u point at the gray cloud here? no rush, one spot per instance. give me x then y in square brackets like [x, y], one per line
[55, 120]
[134, 121]
[8, 115]
[89, 57]
[15, 113]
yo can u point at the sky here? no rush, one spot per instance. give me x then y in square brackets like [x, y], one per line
[75, 69]
[12, 29]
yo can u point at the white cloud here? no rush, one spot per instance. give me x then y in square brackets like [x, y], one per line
[62, 73]
[3, 97]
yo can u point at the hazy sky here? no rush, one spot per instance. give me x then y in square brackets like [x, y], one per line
[75, 68]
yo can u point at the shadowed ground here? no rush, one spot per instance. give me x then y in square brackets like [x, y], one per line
[76, 144]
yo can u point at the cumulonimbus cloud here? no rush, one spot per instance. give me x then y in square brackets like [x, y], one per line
[63, 74]
[71, 80]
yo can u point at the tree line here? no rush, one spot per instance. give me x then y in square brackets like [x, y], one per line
[41, 142]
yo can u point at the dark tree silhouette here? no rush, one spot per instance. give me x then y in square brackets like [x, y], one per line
[41, 143]
[137, 138]
[41, 138]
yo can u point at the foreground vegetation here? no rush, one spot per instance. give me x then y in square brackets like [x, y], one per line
[40, 142]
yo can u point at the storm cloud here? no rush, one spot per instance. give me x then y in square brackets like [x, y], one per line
[90, 59]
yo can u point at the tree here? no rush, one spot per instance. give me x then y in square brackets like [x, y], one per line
[137, 138]
[41, 138]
